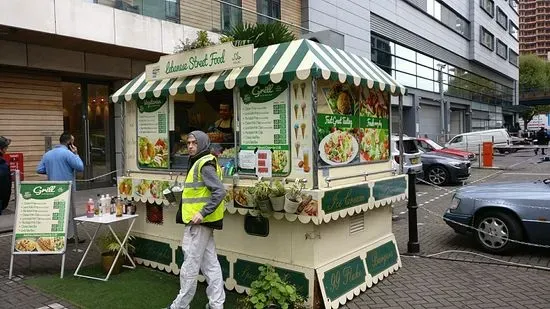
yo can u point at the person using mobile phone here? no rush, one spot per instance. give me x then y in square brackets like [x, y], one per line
[60, 164]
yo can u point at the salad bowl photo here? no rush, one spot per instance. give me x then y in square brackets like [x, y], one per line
[338, 148]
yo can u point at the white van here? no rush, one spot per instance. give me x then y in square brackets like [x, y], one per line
[471, 141]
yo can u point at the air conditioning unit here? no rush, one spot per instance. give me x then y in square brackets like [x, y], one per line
[327, 37]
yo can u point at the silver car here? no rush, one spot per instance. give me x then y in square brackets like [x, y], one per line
[502, 211]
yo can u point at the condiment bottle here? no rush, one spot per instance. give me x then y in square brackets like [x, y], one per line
[119, 207]
[90, 208]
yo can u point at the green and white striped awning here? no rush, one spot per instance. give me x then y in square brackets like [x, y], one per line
[287, 61]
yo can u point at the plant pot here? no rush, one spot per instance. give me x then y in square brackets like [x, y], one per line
[277, 202]
[264, 205]
[107, 259]
[292, 206]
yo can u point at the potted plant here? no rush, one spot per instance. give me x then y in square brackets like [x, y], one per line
[269, 291]
[294, 197]
[109, 247]
[277, 195]
[261, 195]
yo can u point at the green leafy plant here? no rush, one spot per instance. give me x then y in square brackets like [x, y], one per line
[261, 35]
[262, 190]
[201, 41]
[269, 291]
[277, 189]
[108, 243]
[295, 191]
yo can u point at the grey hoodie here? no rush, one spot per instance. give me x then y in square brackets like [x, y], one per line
[209, 176]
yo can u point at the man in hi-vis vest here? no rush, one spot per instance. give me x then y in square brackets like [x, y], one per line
[201, 211]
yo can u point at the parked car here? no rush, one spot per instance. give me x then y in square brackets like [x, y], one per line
[471, 141]
[427, 145]
[441, 168]
[411, 155]
[502, 211]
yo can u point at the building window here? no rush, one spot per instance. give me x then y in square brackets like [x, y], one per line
[448, 17]
[488, 6]
[502, 19]
[487, 39]
[514, 4]
[502, 50]
[271, 8]
[421, 71]
[513, 58]
[232, 14]
[513, 30]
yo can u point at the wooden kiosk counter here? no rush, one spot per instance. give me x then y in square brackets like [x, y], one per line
[297, 113]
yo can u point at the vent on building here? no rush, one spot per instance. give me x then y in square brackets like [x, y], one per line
[327, 37]
[357, 224]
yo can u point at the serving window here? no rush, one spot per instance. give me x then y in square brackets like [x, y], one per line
[163, 128]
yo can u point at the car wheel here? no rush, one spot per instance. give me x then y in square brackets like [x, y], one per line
[494, 231]
[437, 175]
[501, 151]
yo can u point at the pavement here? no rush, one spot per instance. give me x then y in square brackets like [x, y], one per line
[449, 272]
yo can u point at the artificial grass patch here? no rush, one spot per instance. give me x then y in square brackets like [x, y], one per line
[140, 288]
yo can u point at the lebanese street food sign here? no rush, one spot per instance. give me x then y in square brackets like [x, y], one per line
[41, 217]
[215, 58]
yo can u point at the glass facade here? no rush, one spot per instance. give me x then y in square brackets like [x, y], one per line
[448, 17]
[162, 9]
[417, 70]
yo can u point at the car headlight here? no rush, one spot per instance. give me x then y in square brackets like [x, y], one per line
[454, 203]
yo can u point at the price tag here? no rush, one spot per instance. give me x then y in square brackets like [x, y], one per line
[263, 163]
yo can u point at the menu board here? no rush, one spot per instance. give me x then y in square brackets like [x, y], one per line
[264, 123]
[41, 217]
[353, 124]
[301, 124]
[152, 127]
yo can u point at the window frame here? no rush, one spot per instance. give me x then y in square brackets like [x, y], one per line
[505, 57]
[510, 53]
[500, 11]
[481, 40]
[513, 26]
[514, 4]
[222, 13]
[272, 18]
[481, 4]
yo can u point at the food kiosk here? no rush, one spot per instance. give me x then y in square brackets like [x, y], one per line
[300, 114]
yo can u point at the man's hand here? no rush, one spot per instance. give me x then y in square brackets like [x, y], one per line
[197, 218]
[73, 149]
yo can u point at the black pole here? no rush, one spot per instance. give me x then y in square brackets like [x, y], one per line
[412, 246]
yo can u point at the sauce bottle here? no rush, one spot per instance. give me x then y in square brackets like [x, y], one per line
[90, 208]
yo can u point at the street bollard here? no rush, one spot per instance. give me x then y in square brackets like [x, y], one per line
[412, 246]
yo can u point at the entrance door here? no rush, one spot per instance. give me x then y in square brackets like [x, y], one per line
[87, 115]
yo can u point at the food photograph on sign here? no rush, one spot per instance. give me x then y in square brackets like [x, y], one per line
[353, 124]
[39, 244]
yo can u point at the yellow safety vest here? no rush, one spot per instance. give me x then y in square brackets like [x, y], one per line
[195, 194]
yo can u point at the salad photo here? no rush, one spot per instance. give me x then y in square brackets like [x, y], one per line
[150, 155]
[374, 103]
[143, 187]
[157, 186]
[373, 144]
[339, 147]
[279, 161]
